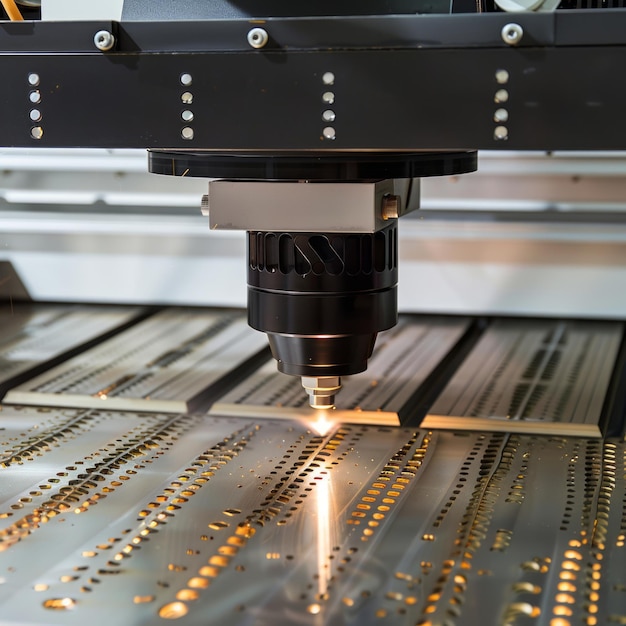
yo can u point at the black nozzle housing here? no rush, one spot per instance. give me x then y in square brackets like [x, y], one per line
[322, 297]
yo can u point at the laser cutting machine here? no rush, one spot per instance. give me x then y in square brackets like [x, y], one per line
[460, 463]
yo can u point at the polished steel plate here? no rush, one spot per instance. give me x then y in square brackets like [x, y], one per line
[546, 377]
[402, 360]
[170, 362]
[138, 518]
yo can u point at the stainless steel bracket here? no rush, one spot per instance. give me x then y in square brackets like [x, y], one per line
[308, 206]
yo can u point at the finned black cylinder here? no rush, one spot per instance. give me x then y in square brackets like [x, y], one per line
[322, 297]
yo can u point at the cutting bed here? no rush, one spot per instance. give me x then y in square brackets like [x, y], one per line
[139, 516]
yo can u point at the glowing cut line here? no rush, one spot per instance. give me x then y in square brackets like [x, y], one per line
[323, 535]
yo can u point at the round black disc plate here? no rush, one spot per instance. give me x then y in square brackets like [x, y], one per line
[327, 166]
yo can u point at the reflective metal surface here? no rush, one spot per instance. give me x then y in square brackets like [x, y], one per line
[403, 358]
[546, 377]
[170, 362]
[31, 334]
[127, 518]
[135, 518]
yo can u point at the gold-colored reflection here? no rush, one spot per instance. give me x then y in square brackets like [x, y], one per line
[314, 609]
[173, 610]
[143, 599]
[563, 610]
[59, 604]
[198, 582]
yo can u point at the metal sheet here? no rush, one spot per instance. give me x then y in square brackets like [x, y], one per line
[546, 377]
[136, 518]
[170, 362]
[402, 360]
[32, 334]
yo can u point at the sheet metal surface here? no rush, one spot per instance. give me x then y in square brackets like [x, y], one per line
[170, 362]
[125, 518]
[403, 358]
[535, 376]
[31, 334]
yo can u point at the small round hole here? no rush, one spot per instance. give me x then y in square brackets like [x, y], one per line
[328, 78]
[328, 97]
[502, 77]
[33, 79]
[500, 133]
[36, 132]
[502, 95]
[35, 97]
[501, 115]
[328, 116]
[187, 133]
[186, 79]
[187, 97]
[329, 133]
[35, 115]
[187, 116]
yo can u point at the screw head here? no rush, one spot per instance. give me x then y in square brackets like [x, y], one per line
[512, 34]
[258, 37]
[104, 40]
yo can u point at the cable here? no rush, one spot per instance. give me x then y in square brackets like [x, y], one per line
[12, 11]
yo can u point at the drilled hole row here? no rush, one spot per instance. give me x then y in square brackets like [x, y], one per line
[47, 438]
[488, 396]
[329, 132]
[187, 115]
[471, 533]
[34, 98]
[222, 558]
[500, 98]
[384, 491]
[462, 480]
[153, 516]
[80, 493]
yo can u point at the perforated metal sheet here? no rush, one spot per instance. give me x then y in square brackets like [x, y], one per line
[170, 362]
[533, 376]
[133, 519]
[31, 334]
[402, 360]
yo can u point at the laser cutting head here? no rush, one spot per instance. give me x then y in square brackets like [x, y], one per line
[322, 298]
[322, 237]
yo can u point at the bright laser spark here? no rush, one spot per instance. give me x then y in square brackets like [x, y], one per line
[322, 424]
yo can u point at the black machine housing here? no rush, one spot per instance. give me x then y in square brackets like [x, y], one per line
[362, 80]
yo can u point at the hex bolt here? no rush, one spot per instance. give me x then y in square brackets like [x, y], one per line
[258, 37]
[321, 390]
[204, 205]
[390, 209]
[104, 40]
[512, 34]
